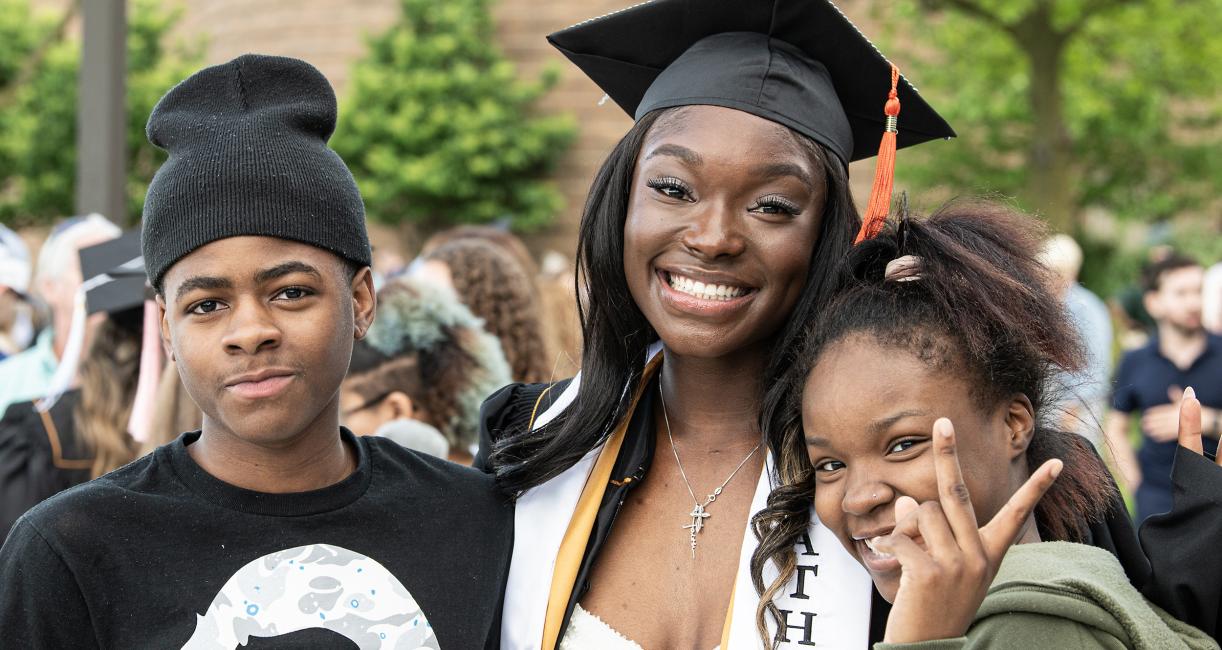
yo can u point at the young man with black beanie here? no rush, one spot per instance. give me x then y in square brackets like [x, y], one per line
[273, 526]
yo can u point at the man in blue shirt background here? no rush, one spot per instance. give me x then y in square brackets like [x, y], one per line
[1150, 381]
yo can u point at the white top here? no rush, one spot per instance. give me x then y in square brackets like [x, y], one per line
[589, 632]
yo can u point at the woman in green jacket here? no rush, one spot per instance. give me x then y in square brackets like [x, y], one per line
[950, 320]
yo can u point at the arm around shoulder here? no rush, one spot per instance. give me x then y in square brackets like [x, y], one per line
[41, 604]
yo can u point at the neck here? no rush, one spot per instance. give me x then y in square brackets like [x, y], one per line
[714, 400]
[313, 459]
[1180, 345]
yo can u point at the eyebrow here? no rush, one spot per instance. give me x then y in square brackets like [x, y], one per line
[875, 427]
[205, 282]
[287, 268]
[777, 170]
[683, 153]
[212, 283]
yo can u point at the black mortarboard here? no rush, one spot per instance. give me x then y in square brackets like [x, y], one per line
[800, 63]
[113, 274]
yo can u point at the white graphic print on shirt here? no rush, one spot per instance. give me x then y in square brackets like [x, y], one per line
[314, 586]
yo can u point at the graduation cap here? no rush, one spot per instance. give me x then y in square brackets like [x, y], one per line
[113, 281]
[800, 63]
[114, 277]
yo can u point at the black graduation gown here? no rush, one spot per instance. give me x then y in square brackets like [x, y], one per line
[30, 469]
[1175, 562]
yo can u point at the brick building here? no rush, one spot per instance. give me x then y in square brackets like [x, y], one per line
[329, 34]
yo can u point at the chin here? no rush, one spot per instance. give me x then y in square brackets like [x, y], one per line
[887, 587]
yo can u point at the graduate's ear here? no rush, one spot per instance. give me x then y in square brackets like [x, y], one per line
[164, 328]
[364, 302]
[1020, 423]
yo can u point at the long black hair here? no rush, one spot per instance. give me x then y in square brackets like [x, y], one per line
[982, 306]
[615, 333]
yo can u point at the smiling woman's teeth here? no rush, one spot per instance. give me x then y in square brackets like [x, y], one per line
[704, 291]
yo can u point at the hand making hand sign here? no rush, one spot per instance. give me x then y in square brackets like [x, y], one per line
[946, 557]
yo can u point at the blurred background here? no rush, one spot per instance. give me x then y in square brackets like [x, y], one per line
[1103, 117]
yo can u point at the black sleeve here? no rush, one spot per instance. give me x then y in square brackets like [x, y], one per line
[41, 605]
[19, 480]
[1185, 545]
[508, 411]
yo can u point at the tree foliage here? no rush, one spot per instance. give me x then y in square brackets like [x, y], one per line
[1069, 104]
[38, 90]
[438, 130]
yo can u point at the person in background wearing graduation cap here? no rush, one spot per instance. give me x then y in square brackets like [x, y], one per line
[61, 440]
[57, 282]
[272, 527]
[708, 243]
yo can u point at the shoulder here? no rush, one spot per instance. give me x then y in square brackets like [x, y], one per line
[1132, 359]
[423, 473]
[514, 406]
[511, 410]
[1066, 593]
[75, 512]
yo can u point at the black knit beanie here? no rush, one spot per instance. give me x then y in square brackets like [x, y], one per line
[248, 156]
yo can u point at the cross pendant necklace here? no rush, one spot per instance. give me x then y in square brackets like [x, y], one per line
[700, 512]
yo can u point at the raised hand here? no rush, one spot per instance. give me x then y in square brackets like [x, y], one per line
[946, 575]
[1189, 430]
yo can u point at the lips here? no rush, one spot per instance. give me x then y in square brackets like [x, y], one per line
[260, 385]
[703, 294]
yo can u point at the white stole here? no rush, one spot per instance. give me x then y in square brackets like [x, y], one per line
[827, 600]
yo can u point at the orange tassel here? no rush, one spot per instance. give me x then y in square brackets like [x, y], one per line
[884, 172]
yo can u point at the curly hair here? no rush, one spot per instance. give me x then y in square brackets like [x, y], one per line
[430, 347]
[109, 374]
[983, 306]
[496, 288]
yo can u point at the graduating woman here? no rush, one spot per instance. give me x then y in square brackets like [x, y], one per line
[708, 240]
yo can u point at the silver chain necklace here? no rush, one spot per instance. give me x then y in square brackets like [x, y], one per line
[700, 512]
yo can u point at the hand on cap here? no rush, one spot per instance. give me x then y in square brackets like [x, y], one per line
[946, 576]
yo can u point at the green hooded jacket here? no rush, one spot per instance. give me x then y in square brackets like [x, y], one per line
[1063, 595]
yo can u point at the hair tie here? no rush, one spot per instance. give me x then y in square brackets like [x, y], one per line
[904, 268]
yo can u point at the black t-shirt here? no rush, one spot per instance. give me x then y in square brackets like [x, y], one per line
[409, 551]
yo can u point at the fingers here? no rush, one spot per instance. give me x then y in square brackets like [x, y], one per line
[910, 555]
[1189, 432]
[952, 490]
[906, 519]
[1010, 522]
[1175, 393]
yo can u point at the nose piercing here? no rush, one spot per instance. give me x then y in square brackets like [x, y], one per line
[874, 496]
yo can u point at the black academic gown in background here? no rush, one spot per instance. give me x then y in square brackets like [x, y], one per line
[31, 470]
[1175, 563]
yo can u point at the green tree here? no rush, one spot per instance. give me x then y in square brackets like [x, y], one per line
[1069, 104]
[38, 90]
[438, 130]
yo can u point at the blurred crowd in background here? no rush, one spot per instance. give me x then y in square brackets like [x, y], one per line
[474, 311]
[1110, 144]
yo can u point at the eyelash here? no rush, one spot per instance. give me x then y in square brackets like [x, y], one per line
[780, 204]
[911, 442]
[663, 183]
[192, 309]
